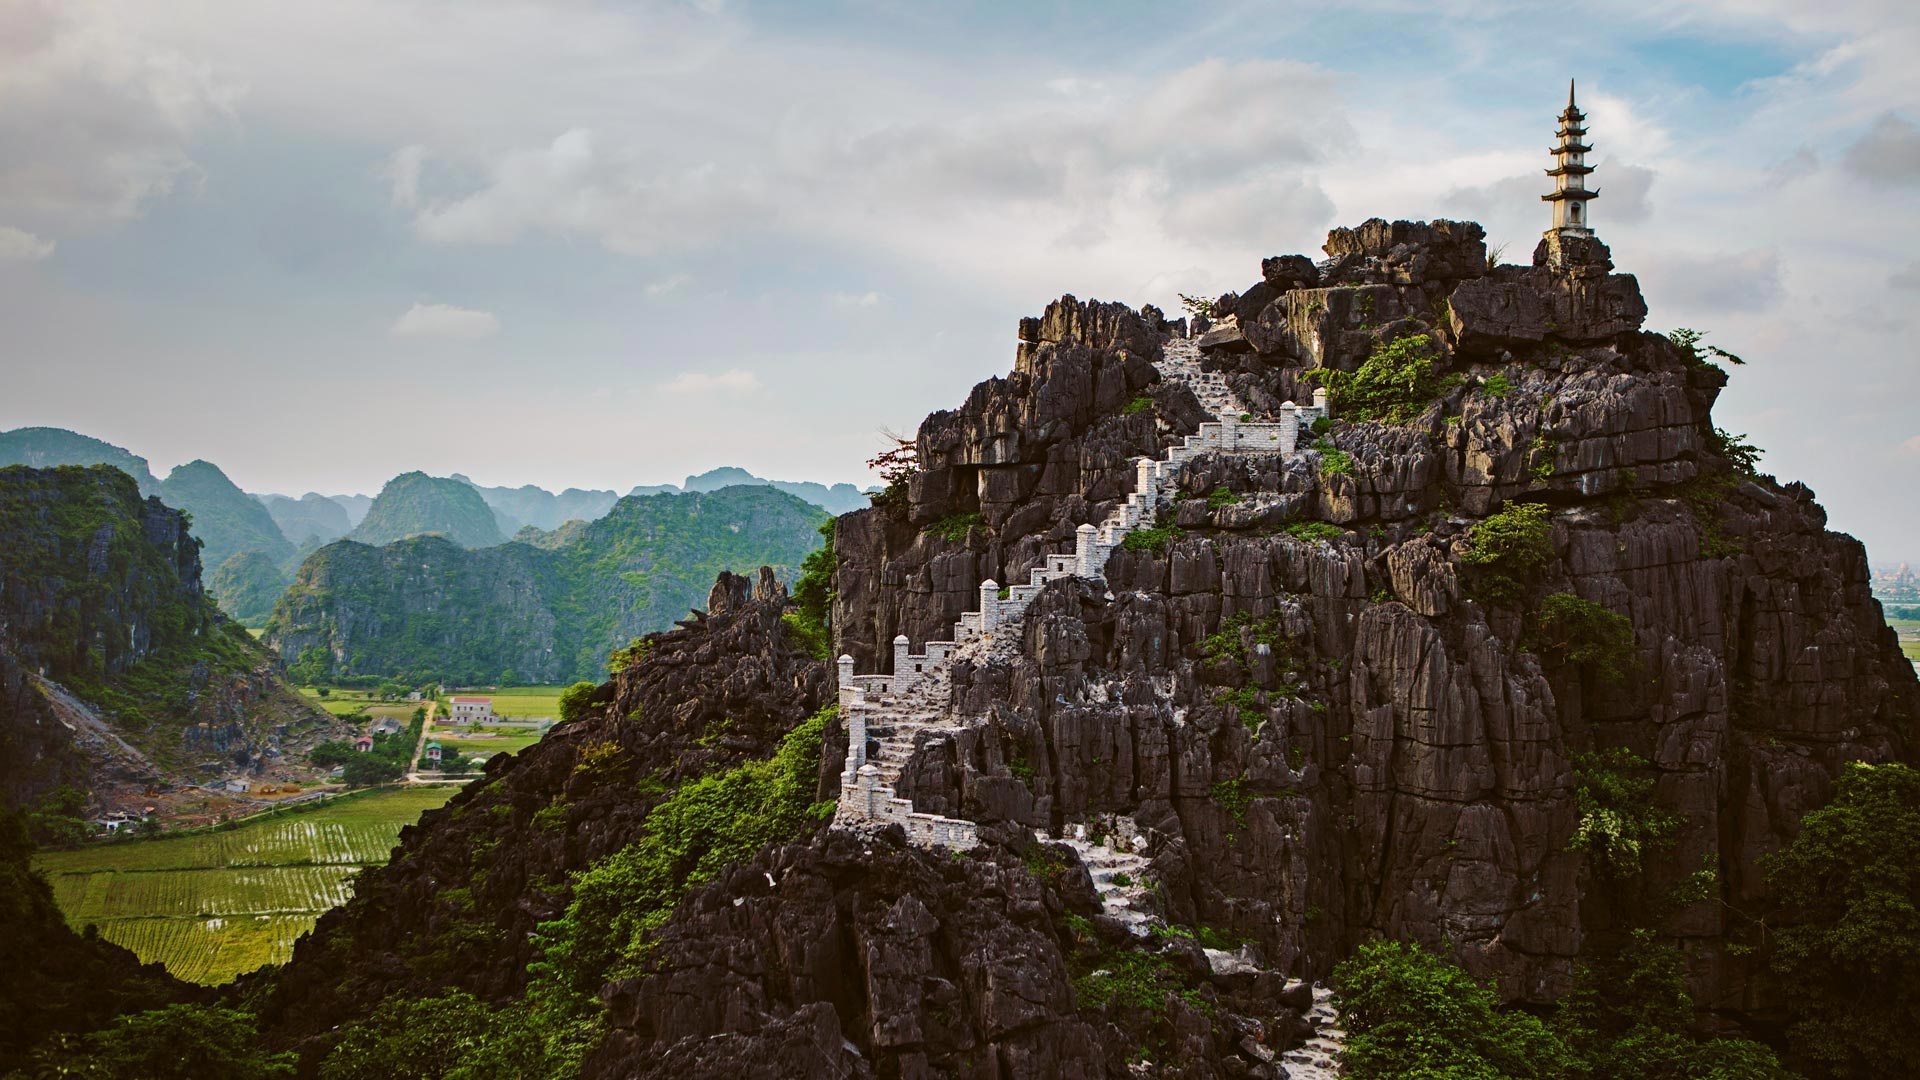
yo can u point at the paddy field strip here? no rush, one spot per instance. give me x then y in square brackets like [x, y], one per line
[524, 702]
[214, 904]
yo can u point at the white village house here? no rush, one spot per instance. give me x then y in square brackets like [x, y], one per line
[472, 710]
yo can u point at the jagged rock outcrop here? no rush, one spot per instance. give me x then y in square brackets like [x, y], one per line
[1411, 756]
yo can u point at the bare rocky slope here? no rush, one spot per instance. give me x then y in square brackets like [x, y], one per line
[1323, 708]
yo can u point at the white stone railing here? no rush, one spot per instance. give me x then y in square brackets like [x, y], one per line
[864, 795]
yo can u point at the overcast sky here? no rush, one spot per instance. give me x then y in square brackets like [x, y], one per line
[600, 244]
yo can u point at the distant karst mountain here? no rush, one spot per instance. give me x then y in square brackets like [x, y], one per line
[45, 447]
[540, 508]
[423, 609]
[415, 504]
[837, 499]
[226, 520]
[311, 520]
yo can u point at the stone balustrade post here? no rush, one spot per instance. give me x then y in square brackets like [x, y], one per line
[1320, 401]
[1143, 481]
[856, 742]
[902, 667]
[989, 605]
[1289, 427]
[1083, 545]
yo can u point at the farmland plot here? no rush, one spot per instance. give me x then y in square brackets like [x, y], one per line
[213, 905]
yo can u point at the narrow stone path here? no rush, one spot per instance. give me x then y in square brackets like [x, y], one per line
[1319, 1057]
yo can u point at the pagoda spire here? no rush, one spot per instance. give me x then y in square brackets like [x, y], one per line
[1569, 172]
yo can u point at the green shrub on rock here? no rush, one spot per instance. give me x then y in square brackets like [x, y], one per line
[1582, 632]
[1506, 548]
[1850, 946]
[1395, 384]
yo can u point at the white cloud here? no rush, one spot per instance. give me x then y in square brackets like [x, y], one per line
[1907, 278]
[1911, 446]
[668, 285]
[96, 118]
[699, 382]
[445, 321]
[22, 246]
[848, 301]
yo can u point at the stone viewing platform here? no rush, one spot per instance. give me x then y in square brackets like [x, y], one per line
[893, 712]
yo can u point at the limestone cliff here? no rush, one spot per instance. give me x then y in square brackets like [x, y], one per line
[116, 670]
[1408, 745]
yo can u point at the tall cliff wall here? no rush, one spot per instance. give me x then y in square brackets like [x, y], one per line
[1410, 750]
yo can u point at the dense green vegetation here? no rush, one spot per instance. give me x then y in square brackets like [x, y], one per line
[424, 610]
[226, 520]
[57, 980]
[1850, 885]
[415, 504]
[178, 1042]
[1619, 822]
[1411, 1013]
[1153, 538]
[1582, 632]
[1506, 549]
[1394, 384]
[702, 828]
[247, 586]
[812, 623]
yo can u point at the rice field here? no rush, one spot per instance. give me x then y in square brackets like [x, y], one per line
[215, 904]
[525, 702]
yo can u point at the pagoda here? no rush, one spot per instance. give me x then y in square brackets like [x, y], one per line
[1570, 194]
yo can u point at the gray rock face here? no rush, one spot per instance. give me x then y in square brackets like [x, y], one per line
[1410, 756]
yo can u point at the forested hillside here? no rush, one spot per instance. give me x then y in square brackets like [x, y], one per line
[226, 520]
[415, 504]
[424, 609]
[115, 666]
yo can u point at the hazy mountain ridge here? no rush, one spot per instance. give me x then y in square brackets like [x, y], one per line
[46, 447]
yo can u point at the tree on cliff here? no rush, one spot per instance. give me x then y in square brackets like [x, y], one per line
[1850, 882]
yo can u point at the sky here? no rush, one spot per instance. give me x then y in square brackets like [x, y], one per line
[605, 244]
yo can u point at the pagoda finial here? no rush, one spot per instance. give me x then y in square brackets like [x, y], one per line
[1569, 93]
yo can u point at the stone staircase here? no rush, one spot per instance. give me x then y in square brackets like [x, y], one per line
[1115, 856]
[901, 710]
[1319, 1057]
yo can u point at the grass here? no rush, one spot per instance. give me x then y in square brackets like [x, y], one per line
[510, 741]
[217, 903]
[1911, 648]
[525, 702]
